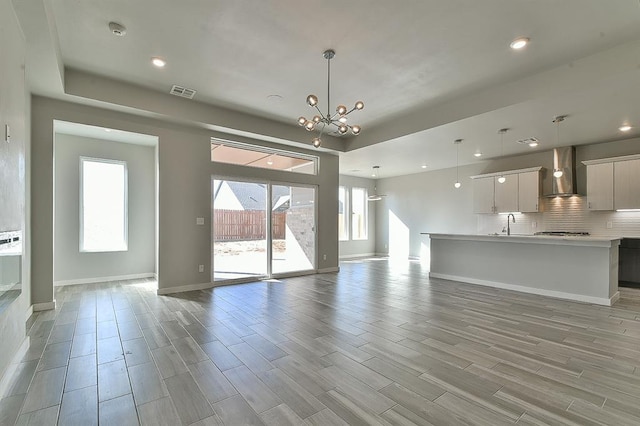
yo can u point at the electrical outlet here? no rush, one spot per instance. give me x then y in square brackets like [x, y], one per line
[199, 220]
[324, 257]
[200, 268]
[609, 225]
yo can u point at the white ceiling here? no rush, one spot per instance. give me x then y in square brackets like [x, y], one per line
[429, 71]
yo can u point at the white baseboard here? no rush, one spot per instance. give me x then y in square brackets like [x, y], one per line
[613, 299]
[539, 291]
[355, 256]
[5, 380]
[29, 313]
[46, 306]
[104, 279]
[328, 270]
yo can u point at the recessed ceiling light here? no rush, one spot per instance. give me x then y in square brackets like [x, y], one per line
[269, 162]
[275, 98]
[624, 128]
[519, 43]
[158, 62]
[424, 166]
[117, 29]
[477, 154]
[533, 144]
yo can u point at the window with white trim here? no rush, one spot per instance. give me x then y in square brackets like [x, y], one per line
[343, 214]
[359, 222]
[103, 205]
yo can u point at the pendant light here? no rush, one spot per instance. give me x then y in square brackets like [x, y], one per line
[330, 121]
[501, 178]
[557, 173]
[375, 196]
[457, 143]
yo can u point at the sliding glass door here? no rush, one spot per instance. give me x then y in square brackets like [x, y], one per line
[242, 214]
[293, 236]
[239, 230]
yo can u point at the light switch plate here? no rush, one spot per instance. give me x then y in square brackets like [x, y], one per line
[199, 220]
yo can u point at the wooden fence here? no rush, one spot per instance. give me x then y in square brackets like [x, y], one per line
[245, 225]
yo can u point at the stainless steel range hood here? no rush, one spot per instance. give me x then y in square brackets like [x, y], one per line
[564, 160]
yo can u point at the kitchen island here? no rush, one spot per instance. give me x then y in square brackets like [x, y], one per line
[580, 268]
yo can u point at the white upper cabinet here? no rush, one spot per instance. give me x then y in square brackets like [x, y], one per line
[483, 195]
[613, 183]
[528, 192]
[626, 184]
[506, 194]
[600, 186]
[519, 192]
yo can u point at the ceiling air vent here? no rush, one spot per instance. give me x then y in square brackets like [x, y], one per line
[182, 92]
[529, 141]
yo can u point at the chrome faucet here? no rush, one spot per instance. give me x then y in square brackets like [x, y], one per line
[514, 221]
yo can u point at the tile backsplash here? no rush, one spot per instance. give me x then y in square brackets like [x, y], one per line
[565, 214]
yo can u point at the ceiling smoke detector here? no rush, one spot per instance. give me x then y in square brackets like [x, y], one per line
[117, 29]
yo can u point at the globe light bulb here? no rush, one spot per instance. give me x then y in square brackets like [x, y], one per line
[343, 129]
[341, 109]
[356, 130]
[312, 100]
[310, 125]
[302, 121]
[457, 185]
[317, 142]
[316, 118]
[342, 119]
[359, 105]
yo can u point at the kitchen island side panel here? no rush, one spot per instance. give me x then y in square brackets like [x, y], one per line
[587, 273]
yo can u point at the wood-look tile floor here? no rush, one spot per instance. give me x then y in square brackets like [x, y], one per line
[378, 343]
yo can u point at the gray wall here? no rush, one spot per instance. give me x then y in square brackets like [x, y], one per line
[14, 204]
[428, 202]
[360, 247]
[72, 265]
[184, 180]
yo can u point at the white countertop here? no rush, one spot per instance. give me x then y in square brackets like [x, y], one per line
[532, 239]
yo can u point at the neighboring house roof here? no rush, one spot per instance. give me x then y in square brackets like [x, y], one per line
[252, 196]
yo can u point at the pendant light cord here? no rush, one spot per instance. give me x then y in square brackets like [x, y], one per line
[328, 87]
[457, 162]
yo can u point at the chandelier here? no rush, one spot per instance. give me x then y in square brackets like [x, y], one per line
[326, 121]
